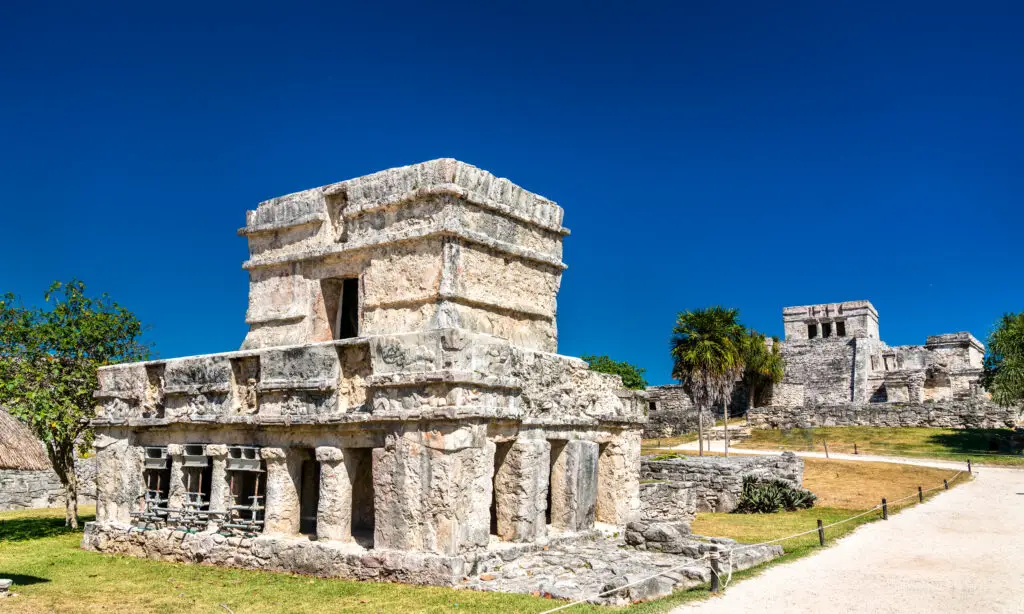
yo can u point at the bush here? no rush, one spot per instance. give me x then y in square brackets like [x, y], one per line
[769, 496]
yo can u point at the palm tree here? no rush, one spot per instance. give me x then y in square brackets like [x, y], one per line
[707, 354]
[763, 365]
[1004, 366]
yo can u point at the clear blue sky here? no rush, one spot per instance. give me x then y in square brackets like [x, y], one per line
[751, 154]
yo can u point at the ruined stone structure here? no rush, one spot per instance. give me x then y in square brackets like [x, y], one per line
[840, 372]
[670, 411]
[396, 410]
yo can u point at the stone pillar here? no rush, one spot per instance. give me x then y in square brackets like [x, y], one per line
[915, 387]
[176, 488]
[220, 492]
[334, 514]
[574, 486]
[618, 479]
[521, 490]
[119, 483]
[282, 506]
[432, 491]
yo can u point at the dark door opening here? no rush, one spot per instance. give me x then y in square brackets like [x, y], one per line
[840, 329]
[826, 329]
[247, 484]
[309, 496]
[359, 462]
[348, 311]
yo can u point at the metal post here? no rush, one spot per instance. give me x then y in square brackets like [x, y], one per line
[946, 484]
[885, 510]
[714, 571]
[920, 495]
[821, 533]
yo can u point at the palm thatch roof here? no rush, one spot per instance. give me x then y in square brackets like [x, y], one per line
[19, 448]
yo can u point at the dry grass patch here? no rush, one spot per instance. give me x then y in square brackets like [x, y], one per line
[855, 485]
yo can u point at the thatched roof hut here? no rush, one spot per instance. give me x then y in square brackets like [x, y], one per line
[19, 448]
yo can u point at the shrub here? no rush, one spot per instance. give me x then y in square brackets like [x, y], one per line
[769, 496]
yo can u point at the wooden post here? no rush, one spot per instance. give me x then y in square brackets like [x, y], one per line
[920, 495]
[885, 510]
[854, 447]
[969, 466]
[821, 534]
[946, 484]
[826, 448]
[700, 431]
[714, 572]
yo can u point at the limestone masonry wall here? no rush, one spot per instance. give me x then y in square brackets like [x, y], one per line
[670, 411]
[31, 489]
[717, 481]
[949, 414]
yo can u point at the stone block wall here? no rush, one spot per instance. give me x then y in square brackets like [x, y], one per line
[670, 411]
[717, 481]
[32, 489]
[971, 413]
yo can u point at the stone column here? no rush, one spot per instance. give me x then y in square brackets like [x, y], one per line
[119, 483]
[521, 490]
[220, 493]
[282, 504]
[432, 491]
[618, 479]
[176, 489]
[334, 514]
[574, 486]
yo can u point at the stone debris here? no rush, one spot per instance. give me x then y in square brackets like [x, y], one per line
[584, 569]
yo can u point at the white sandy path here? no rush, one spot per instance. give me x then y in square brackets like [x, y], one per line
[962, 551]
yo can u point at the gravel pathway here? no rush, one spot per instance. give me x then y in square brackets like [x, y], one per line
[962, 551]
[719, 446]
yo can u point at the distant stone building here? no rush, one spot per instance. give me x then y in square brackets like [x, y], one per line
[839, 371]
[396, 410]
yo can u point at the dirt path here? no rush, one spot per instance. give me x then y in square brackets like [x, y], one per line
[962, 551]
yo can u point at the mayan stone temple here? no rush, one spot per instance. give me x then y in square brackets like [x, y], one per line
[396, 410]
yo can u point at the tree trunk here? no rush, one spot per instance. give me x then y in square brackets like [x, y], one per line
[725, 412]
[700, 430]
[63, 461]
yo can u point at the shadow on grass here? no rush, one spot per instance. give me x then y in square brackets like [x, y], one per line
[21, 529]
[981, 441]
[20, 580]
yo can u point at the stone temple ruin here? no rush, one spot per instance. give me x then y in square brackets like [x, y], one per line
[839, 372]
[396, 410]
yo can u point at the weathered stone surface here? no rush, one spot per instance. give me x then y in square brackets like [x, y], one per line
[618, 491]
[668, 500]
[29, 489]
[574, 486]
[969, 413]
[716, 481]
[521, 482]
[283, 475]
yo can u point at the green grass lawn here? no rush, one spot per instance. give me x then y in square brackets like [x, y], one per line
[984, 446]
[52, 574]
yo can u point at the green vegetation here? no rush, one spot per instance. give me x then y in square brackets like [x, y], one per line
[989, 446]
[632, 375]
[707, 359]
[1004, 366]
[763, 366]
[48, 362]
[772, 496]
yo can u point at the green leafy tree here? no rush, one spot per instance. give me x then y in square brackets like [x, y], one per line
[763, 366]
[707, 355]
[632, 375]
[1004, 365]
[48, 362]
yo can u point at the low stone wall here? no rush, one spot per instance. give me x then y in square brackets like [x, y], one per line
[670, 411]
[717, 481]
[945, 414]
[31, 489]
[668, 501]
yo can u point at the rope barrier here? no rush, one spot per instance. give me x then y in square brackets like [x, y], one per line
[737, 549]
